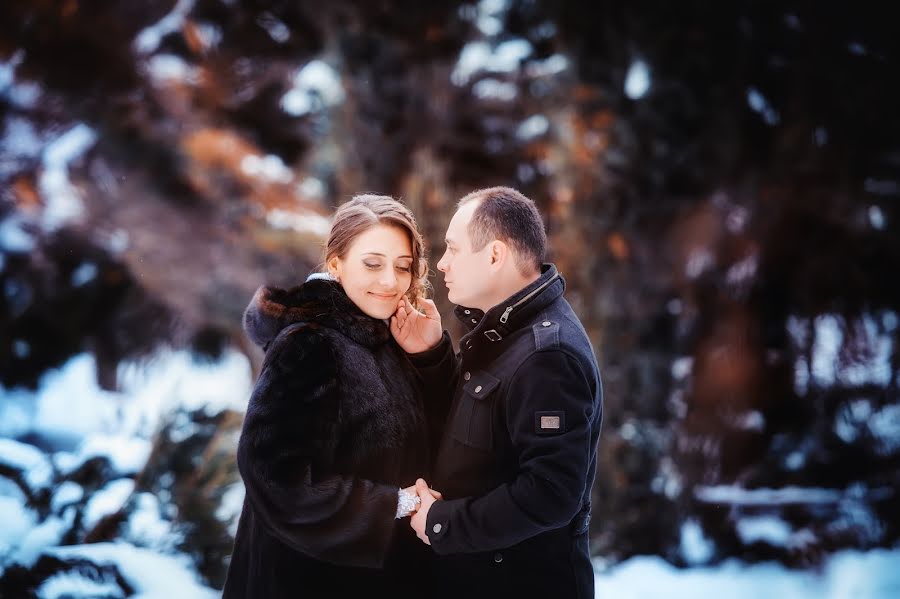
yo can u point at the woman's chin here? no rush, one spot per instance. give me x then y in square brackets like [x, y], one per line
[379, 312]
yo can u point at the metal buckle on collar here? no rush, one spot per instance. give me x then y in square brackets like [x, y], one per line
[493, 335]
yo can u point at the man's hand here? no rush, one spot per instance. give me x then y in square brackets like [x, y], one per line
[416, 331]
[420, 518]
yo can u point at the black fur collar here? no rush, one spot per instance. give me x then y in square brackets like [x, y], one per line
[318, 301]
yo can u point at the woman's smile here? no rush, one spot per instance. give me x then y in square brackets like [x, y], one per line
[384, 296]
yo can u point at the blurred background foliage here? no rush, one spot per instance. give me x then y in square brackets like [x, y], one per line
[720, 183]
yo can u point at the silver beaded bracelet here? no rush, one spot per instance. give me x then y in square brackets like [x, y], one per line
[406, 503]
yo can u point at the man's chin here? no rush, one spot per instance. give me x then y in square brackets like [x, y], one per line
[457, 299]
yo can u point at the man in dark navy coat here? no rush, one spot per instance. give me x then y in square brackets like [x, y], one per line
[518, 455]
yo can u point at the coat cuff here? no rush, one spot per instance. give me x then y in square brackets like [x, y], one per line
[437, 524]
[435, 355]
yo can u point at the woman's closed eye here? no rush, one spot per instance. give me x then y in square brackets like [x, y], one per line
[378, 265]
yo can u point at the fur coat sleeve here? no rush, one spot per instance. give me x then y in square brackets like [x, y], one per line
[285, 456]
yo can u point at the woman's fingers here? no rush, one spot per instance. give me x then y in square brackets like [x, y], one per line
[429, 309]
[400, 315]
[395, 326]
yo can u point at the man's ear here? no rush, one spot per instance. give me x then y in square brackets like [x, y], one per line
[499, 253]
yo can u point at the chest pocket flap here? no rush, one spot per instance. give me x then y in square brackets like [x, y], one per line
[473, 424]
[481, 385]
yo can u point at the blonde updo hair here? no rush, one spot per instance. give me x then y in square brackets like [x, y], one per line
[365, 211]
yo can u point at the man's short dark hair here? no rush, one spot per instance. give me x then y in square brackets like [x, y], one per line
[506, 214]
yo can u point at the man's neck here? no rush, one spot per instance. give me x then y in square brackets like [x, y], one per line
[508, 288]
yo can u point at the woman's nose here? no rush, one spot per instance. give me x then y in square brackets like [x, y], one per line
[389, 279]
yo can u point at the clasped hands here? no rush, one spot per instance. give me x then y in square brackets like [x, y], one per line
[427, 496]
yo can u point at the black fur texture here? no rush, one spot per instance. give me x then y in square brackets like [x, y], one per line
[335, 425]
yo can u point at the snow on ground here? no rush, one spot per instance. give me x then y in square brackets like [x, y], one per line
[27, 459]
[231, 505]
[15, 522]
[153, 576]
[71, 408]
[81, 421]
[118, 425]
[46, 534]
[728, 494]
[147, 528]
[108, 500]
[846, 575]
[695, 546]
[127, 455]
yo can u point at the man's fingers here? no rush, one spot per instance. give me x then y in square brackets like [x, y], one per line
[422, 488]
[436, 494]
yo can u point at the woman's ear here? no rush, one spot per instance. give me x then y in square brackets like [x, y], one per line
[334, 268]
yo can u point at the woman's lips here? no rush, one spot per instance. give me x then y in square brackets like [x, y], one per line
[382, 296]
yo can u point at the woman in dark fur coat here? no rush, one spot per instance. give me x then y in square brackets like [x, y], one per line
[336, 432]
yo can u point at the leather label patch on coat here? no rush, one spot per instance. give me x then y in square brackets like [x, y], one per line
[549, 423]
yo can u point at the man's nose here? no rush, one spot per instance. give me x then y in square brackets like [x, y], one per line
[442, 263]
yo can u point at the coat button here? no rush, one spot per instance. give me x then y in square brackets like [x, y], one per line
[474, 321]
[467, 375]
[437, 528]
[478, 389]
[498, 557]
[546, 323]
[467, 311]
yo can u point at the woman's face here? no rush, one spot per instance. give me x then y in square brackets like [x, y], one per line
[376, 270]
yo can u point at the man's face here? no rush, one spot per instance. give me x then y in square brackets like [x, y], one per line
[467, 274]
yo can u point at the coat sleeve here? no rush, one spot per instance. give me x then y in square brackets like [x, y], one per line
[438, 369]
[553, 464]
[285, 459]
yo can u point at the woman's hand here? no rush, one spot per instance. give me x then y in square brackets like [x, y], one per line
[416, 331]
[409, 500]
[413, 491]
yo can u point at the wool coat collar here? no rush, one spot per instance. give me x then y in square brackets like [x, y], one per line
[517, 309]
[318, 301]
